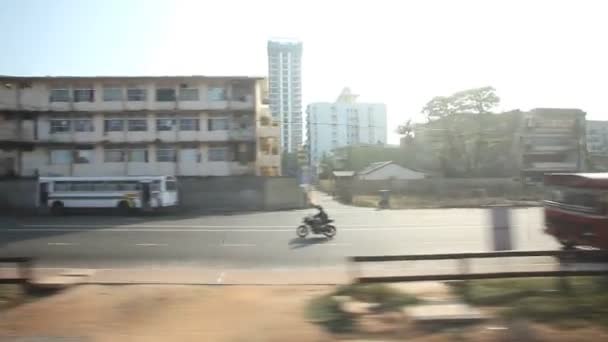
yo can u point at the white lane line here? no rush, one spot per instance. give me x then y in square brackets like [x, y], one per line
[336, 244]
[150, 244]
[61, 244]
[220, 278]
[236, 226]
[238, 245]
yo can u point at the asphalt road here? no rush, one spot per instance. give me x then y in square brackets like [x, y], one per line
[257, 240]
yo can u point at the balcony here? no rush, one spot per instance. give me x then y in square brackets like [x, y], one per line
[242, 134]
[551, 166]
[264, 159]
[268, 131]
[549, 149]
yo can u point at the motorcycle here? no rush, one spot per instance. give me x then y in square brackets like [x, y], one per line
[313, 225]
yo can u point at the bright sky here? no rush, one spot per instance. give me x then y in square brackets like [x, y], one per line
[402, 53]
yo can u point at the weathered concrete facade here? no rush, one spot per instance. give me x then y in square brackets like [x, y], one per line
[184, 126]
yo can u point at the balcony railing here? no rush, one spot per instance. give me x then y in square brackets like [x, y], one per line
[551, 166]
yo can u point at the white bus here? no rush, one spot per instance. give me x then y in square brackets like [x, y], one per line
[123, 193]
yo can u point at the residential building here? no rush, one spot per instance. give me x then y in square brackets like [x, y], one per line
[285, 81]
[597, 137]
[597, 145]
[184, 126]
[551, 140]
[345, 122]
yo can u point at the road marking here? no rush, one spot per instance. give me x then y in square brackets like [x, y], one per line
[220, 278]
[236, 226]
[238, 245]
[337, 244]
[61, 244]
[151, 244]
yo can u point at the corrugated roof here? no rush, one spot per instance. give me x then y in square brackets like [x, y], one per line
[374, 166]
[344, 173]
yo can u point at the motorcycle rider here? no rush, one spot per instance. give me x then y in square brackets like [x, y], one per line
[321, 217]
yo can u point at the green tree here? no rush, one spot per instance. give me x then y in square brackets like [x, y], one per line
[460, 119]
[478, 102]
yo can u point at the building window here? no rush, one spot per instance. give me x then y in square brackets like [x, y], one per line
[218, 154]
[60, 126]
[112, 94]
[83, 156]
[218, 124]
[113, 156]
[137, 125]
[189, 124]
[60, 95]
[189, 155]
[61, 157]
[114, 125]
[216, 94]
[188, 94]
[165, 94]
[165, 155]
[138, 155]
[84, 95]
[164, 124]
[241, 92]
[83, 125]
[136, 94]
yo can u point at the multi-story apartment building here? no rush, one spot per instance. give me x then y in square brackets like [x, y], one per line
[285, 78]
[551, 140]
[184, 126]
[344, 122]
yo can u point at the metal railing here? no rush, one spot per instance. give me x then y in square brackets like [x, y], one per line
[464, 265]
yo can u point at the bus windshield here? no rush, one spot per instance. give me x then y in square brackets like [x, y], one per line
[171, 185]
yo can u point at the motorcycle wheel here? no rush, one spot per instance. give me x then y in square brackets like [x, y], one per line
[302, 231]
[330, 230]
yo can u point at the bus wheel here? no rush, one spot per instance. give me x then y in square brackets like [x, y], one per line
[124, 208]
[57, 208]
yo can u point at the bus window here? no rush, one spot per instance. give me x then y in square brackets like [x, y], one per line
[155, 186]
[61, 186]
[81, 186]
[171, 185]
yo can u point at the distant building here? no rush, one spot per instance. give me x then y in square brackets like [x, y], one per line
[116, 126]
[358, 157]
[597, 137]
[387, 171]
[344, 122]
[551, 140]
[597, 145]
[285, 81]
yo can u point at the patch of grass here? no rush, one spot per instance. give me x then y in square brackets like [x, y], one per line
[550, 300]
[387, 297]
[326, 310]
[11, 295]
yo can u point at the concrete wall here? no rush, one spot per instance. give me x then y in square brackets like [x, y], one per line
[196, 194]
[441, 187]
[17, 195]
[283, 193]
